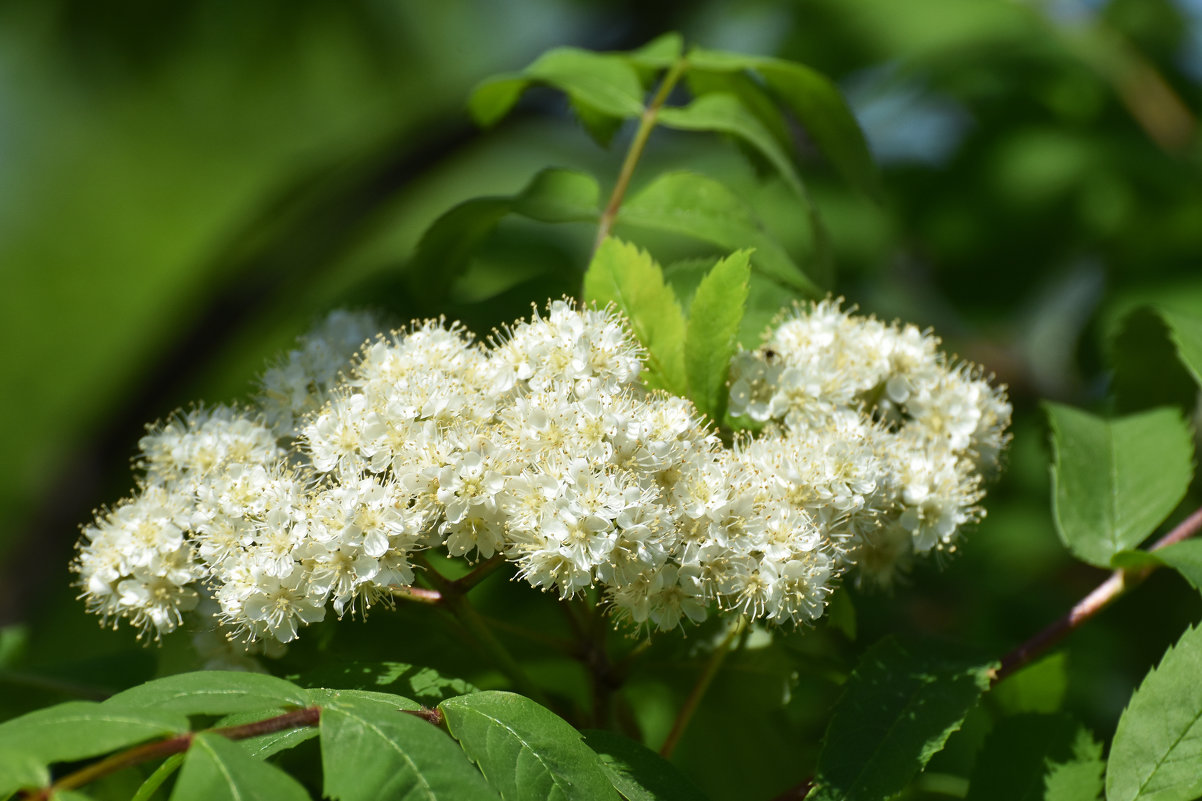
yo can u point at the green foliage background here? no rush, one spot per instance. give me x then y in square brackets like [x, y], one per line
[185, 186]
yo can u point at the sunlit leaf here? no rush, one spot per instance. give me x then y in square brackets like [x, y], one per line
[629, 278]
[525, 750]
[705, 209]
[602, 82]
[711, 335]
[1116, 480]
[1186, 333]
[1157, 748]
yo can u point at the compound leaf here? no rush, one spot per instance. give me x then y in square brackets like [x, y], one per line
[525, 750]
[1116, 480]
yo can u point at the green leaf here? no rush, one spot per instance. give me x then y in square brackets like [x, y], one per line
[422, 684]
[700, 207]
[212, 692]
[711, 335]
[722, 112]
[818, 105]
[525, 750]
[1186, 333]
[601, 82]
[449, 244]
[20, 770]
[660, 53]
[1037, 757]
[1147, 370]
[155, 780]
[371, 749]
[629, 278]
[725, 113]
[1157, 750]
[1185, 558]
[1115, 481]
[896, 712]
[637, 772]
[80, 729]
[215, 767]
[1078, 778]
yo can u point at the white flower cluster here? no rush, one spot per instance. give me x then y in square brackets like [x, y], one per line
[544, 448]
[877, 411]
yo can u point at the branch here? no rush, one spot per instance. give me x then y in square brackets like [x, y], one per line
[646, 124]
[1106, 593]
[699, 689]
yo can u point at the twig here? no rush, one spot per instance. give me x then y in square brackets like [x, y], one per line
[646, 124]
[1106, 593]
[699, 689]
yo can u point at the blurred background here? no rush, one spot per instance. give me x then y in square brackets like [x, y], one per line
[185, 187]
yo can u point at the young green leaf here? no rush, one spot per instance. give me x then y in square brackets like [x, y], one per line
[1116, 480]
[702, 208]
[637, 772]
[629, 278]
[897, 710]
[817, 104]
[1027, 757]
[80, 729]
[371, 749]
[215, 767]
[711, 335]
[212, 692]
[1157, 748]
[602, 82]
[525, 750]
[1186, 332]
[20, 770]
